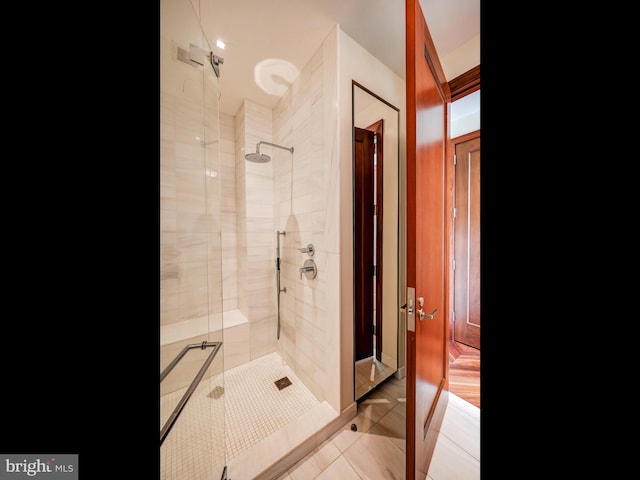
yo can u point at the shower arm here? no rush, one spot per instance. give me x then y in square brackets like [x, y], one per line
[273, 145]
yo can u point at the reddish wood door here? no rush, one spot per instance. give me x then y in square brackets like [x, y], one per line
[363, 259]
[466, 325]
[427, 96]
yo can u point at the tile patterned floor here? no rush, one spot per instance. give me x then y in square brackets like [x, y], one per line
[244, 408]
[255, 407]
[369, 373]
[376, 450]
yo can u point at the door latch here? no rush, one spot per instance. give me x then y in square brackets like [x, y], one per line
[411, 314]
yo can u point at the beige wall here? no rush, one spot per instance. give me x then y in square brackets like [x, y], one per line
[355, 63]
[462, 59]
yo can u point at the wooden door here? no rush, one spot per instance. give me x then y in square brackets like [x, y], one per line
[427, 355]
[364, 149]
[466, 325]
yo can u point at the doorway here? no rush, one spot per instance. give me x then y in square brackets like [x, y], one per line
[368, 239]
[463, 167]
[466, 318]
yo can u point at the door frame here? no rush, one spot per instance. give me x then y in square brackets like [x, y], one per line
[460, 86]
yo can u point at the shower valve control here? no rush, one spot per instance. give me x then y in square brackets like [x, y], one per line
[309, 269]
[308, 249]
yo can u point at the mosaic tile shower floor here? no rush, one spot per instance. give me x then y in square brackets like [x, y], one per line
[244, 408]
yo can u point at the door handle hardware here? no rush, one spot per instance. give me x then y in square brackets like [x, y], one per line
[421, 312]
[427, 315]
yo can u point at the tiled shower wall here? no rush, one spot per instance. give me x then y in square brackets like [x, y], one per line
[300, 212]
[287, 194]
[255, 228]
[190, 272]
[229, 218]
[292, 193]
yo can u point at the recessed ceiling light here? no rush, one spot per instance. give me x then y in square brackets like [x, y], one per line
[220, 44]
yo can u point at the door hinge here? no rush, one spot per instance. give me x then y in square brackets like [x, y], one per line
[455, 211]
[374, 269]
[374, 209]
[453, 264]
[455, 160]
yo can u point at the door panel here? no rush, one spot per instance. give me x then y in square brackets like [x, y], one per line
[427, 96]
[467, 244]
[364, 247]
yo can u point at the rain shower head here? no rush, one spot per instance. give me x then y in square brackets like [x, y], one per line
[261, 157]
[257, 157]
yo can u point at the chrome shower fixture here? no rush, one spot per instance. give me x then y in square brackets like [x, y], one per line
[197, 54]
[215, 63]
[261, 157]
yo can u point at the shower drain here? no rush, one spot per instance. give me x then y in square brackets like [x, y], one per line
[283, 382]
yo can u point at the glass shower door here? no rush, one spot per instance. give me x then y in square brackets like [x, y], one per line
[192, 426]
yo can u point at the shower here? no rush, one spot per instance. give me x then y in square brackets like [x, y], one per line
[238, 366]
[261, 157]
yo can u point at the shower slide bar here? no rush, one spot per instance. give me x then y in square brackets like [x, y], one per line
[278, 289]
[194, 383]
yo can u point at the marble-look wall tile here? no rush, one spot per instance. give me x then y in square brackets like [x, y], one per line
[189, 121]
[192, 290]
[260, 241]
[190, 233]
[236, 344]
[241, 227]
[300, 207]
[263, 337]
[190, 205]
[228, 209]
[336, 365]
[167, 125]
[192, 248]
[169, 310]
[331, 156]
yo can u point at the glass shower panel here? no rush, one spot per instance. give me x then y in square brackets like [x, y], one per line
[191, 354]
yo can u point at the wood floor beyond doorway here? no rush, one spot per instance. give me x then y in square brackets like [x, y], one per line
[464, 372]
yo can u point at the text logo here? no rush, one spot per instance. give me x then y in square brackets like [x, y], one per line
[49, 467]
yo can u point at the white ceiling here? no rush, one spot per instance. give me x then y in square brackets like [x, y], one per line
[292, 30]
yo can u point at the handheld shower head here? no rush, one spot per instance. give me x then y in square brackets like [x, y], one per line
[261, 157]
